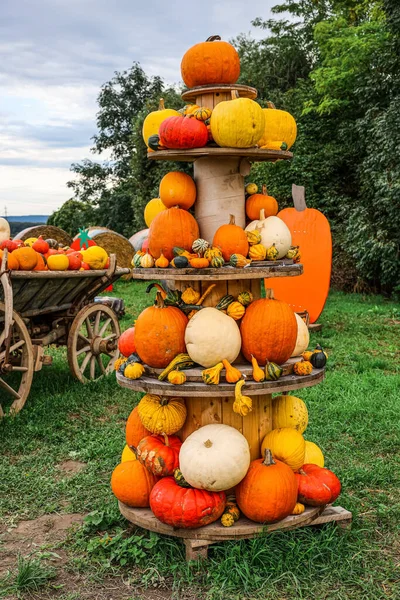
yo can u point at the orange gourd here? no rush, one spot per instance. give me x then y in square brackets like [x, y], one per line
[41, 264]
[41, 245]
[177, 189]
[12, 262]
[172, 227]
[160, 334]
[257, 202]
[199, 263]
[135, 431]
[212, 61]
[132, 483]
[269, 331]
[27, 258]
[268, 492]
[231, 239]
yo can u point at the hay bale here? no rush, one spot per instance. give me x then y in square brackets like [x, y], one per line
[113, 243]
[47, 232]
[138, 238]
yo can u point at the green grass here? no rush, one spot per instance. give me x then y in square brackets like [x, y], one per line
[30, 575]
[354, 417]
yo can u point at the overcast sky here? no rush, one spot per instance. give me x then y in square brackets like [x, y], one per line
[54, 56]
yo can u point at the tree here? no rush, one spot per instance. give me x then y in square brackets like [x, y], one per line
[73, 215]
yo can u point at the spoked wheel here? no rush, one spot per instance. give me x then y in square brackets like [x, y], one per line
[16, 366]
[93, 342]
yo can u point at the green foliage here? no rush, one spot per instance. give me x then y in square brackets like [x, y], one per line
[30, 575]
[73, 215]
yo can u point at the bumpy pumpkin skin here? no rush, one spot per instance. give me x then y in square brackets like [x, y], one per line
[172, 227]
[269, 331]
[134, 431]
[159, 454]
[132, 483]
[212, 61]
[162, 415]
[287, 445]
[183, 133]
[237, 123]
[268, 493]
[289, 411]
[185, 507]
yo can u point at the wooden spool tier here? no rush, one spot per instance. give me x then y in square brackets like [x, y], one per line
[252, 154]
[211, 95]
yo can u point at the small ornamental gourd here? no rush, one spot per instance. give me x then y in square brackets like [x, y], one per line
[202, 113]
[251, 188]
[245, 298]
[253, 237]
[242, 404]
[272, 371]
[199, 246]
[179, 479]
[307, 355]
[313, 454]
[147, 261]
[303, 368]
[190, 296]
[162, 262]
[212, 375]
[119, 362]
[159, 454]
[134, 371]
[217, 262]
[210, 253]
[231, 513]
[188, 109]
[235, 310]
[289, 411]
[318, 358]
[180, 362]
[258, 373]
[298, 509]
[176, 377]
[162, 415]
[293, 252]
[239, 261]
[179, 262]
[257, 252]
[232, 374]
[136, 261]
[199, 263]
[273, 230]
[287, 445]
[271, 253]
[225, 302]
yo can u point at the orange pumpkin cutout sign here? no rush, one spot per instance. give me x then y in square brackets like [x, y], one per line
[311, 231]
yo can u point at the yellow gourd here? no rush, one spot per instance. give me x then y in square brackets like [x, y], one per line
[287, 445]
[176, 377]
[133, 371]
[257, 252]
[253, 237]
[272, 253]
[162, 262]
[120, 361]
[190, 296]
[245, 298]
[242, 404]
[303, 368]
[153, 120]
[162, 415]
[212, 252]
[232, 374]
[258, 372]
[289, 411]
[211, 376]
[235, 310]
[298, 509]
[251, 188]
[95, 257]
[231, 513]
[307, 355]
[147, 261]
[280, 129]
[313, 455]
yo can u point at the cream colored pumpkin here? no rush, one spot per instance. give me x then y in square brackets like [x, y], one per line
[212, 336]
[273, 231]
[237, 123]
[313, 455]
[287, 445]
[303, 337]
[214, 458]
[289, 411]
[5, 232]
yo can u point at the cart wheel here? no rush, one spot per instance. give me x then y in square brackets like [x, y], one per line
[16, 373]
[93, 342]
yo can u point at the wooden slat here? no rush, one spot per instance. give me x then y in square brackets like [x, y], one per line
[195, 93]
[223, 274]
[253, 154]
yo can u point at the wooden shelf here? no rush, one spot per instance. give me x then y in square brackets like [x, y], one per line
[244, 91]
[257, 270]
[252, 154]
[195, 388]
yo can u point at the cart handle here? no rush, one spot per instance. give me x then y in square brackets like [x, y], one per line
[8, 302]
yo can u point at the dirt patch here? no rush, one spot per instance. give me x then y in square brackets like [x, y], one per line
[70, 467]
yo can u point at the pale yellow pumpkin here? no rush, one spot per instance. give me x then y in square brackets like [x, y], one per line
[289, 411]
[153, 120]
[313, 455]
[303, 337]
[5, 232]
[287, 445]
[237, 123]
[151, 210]
[162, 415]
[280, 129]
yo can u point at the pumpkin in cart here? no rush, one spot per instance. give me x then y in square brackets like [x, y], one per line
[212, 61]
[152, 122]
[303, 337]
[215, 457]
[160, 453]
[212, 336]
[273, 231]
[289, 411]
[268, 493]
[183, 133]
[257, 202]
[237, 123]
[132, 483]
[287, 445]
[269, 331]
[160, 333]
[185, 507]
[162, 415]
[151, 210]
[280, 129]
[134, 430]
[177, 189]
[231, 239]
[27, 258]
[172, 227]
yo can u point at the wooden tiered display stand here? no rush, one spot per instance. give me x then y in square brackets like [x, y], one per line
[219, 175]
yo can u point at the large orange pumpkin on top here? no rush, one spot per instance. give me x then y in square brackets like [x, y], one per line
[172, 227]
[212, 61]
[160, 334]
[269, 331]
[231, 239]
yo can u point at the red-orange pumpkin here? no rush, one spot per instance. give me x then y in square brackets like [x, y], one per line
[135, 431]
[185, 507]
[172, 227]
[231, 239]
[269, 331]
[177, 189]
[183, 132]
[41, 245]
[126, 342]
[269, 490]
[132, 483]
[317, 486]
[160, 334]
[257, 202]
[212, 61]
[160, 453]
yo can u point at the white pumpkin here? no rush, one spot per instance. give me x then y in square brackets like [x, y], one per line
[273, 231]
[211, 336]
[214, 458]
[303, 337]
[5, 232]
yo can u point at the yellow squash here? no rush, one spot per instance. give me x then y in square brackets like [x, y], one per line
[280, 129]
[237, 123]
[287, 445]
[289, 411]
[153, 120]
[162, 415]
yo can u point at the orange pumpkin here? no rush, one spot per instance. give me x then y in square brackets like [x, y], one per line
[257, 202]
[132, 483]
[199, 263]
[269, 331]
[212, 61]
[41, 264]
[126, 342]
[135, 431]
[27, 258]
[172, 227]
[177, 189]
[12, 262]
[269, 490]
[160, 334]
[41, 245]
[231, 239]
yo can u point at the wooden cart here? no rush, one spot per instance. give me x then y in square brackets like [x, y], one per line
[40, 308]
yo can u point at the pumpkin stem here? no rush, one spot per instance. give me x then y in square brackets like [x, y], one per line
[166, 442]
[262, 215]
[268, 458]
[208, 444]
[164, 401]
[213, 38]
[264, 190]
[232, 220]
[271, 105]
[159, 288]
[159, 301]
[161, 104]
[269, 293]
[134, 450]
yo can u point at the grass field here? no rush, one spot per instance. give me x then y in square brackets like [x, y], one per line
[354, 417]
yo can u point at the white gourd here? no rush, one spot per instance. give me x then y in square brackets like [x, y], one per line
[303, 337]
[214, 458]
[273, 231]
